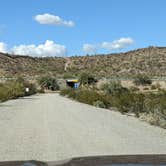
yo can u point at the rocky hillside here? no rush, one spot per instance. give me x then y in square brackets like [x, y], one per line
[150, 61]
[11, 65]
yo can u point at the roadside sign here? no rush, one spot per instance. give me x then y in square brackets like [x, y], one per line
[26, 89]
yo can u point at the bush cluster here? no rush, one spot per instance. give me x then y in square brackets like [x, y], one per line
[152, 105]
[87, 79]
[49, 83]
[15, 89]
[142, 80]
[88, 96]
[113, 88]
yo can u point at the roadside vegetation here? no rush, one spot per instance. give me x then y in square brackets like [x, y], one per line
[15, 89]
[19, 87]
[87, 79]
[48, 83]
[142, 80]
[149, 106]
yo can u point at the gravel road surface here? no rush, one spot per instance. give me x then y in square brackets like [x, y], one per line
[51, 127]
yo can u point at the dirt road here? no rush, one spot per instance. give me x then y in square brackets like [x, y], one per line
[51, 127]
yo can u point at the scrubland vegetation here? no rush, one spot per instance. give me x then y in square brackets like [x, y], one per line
[149, 106]
[147, 103]
[49, 83]
[16, 88]
[149, 61]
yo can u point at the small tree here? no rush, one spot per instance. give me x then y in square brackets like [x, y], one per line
[49, 83]
[87, 79]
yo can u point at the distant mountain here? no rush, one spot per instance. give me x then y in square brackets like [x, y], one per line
[150, 61]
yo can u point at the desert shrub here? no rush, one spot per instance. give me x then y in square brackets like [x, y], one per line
[153, 87]
[26, 84]
[89, 97]
[142, 80]
[15, 89]
[86, 96]
[32, 88]
[87, 79]
[41, 90]
[68, 75]
[156, 86]
[134, 89]
[148, 106]
[113, 87]
[139, 103]
[155, 109]
[154, 118]
[129, 102]
[99, 104]
[11, 90]
[72, 94]
[145, 88]
[65, 92]
[69, 92]
[49, 83]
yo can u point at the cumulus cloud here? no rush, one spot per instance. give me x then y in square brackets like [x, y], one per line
[3, 47]
[49, 48]
[114, 45]
[50, 19]
[117, 44]
[89, 48]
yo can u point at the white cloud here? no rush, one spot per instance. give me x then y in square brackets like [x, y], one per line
[118, 44]
[3, 47]
[89, 48]
[49, 48]
[114, 45]
[52, 20]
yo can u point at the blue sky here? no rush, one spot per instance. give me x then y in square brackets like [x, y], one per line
[94, 22]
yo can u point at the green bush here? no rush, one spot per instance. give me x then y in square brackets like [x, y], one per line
[153, 87]
[26, 84]
[32, 89]
[145, 88]
[89, 97]
[87, 79]
[15, 89]
[86, 96]
[151, 106]
[113, 88]
[68, 75]
[41, 90]
[134, 89]
[65, 92]
[99, 104]
[49, 83]
[142, 80]
[129, 102]
[11, 90]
